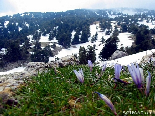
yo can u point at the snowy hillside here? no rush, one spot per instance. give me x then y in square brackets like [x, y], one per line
[116, 20]
[123, 37]
[124, 42]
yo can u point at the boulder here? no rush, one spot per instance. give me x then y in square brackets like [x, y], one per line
[118, 54]
[150, 58]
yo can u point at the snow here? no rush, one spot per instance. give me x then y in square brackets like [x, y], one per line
[149, 24]
[27, 24]
[135, 58]
[6, 23]
[124, 39]
[73, 33]
[3, 51]
[30, 37]
[19, 69]
[44, 38]
[129, 12]
[19, 28]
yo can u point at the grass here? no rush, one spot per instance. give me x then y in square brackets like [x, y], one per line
[59, 93]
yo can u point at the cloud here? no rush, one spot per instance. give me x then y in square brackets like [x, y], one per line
[20, 6]
[6, 6]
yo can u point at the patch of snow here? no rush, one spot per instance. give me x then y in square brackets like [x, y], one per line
[27, 24]
[125, 40]
[73, 33]
[19, 28]
[54, 40]
[97, 13]
[3, 51]
[6, 23]
[149, 24]
[44, 38]
[16, 24]
[112, 16]
[134, 58]
[19, 69]
[99, 46]
[30, 37]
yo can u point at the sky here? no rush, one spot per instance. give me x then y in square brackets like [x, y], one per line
[19, 6]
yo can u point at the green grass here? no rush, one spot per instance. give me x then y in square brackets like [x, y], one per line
[53, 94]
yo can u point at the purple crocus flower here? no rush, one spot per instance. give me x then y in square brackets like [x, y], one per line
[142, 74]
[90, 64]
[79, 74]
[104, 66]
[107, 101]
[135, 74]
[118, 69]
[148, 83]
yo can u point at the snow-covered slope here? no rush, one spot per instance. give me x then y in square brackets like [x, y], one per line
[124, 42]
[135, 58]
[19, 69]
[123, 37]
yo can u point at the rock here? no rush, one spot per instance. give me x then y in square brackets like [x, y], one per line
[12, 81]
[150, 58]
[118, 54]
[68, 58]
[1, 88]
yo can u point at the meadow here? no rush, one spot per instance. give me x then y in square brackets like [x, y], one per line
[59, 92]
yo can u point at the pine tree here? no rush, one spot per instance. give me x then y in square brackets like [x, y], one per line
[91, 53]
[75, 39]
[109, 48]
[82, 55]
[13, 51]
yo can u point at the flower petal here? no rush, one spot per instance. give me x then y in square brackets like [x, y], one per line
[90, 64]
[104, 66]
[142, 74]
[118, 68]
[79, 75]
[135, 74]
[148, 83]
[107, 101]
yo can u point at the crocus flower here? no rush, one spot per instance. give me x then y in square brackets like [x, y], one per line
[90, 64]
[107, 101]
[142, 74]
[79, 74]
[148, 83]
[118, 68]
[104, 66]
[135, 74]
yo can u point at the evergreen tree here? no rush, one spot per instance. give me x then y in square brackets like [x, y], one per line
[84, 37]
[13, 51]
[109, 48]
[91, 53]
[102, 40]
[75, 39]
[40, 55]
[82, 55]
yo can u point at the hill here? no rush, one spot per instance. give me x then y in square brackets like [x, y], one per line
[36, 36]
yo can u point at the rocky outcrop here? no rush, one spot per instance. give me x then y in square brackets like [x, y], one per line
[150, 58]
[118, 54]
[10, 82]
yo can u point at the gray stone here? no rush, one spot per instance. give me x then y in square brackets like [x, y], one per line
[118, 54]
[1, 88]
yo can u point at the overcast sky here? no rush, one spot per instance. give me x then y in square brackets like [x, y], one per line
[19, 6]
